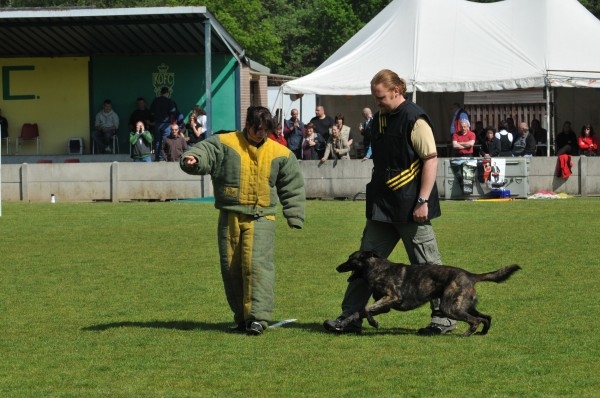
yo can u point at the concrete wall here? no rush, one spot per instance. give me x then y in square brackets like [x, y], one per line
[125, 181]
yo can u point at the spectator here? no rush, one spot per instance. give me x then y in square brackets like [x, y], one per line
[322, 123]
[365, 131]
[480, 132]
[3, 125]
[141, 113]
[337, 145]
[141, 143]
[106, 126]
[463, 141]
[458, 114]
[490, 147]
[294, 132]
[246, 197]
[277, 135]
[173, 146]
[540, 134]
[312, 144]
[511, 127]
[196, 127]
[587, 141]
[342, 128]
[566, 141]
[162, 109]
[524, 144]
[505, 138]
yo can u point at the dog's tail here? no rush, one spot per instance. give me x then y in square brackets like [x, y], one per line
[498, 276]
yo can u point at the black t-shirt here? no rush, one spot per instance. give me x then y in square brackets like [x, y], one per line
[322, 126]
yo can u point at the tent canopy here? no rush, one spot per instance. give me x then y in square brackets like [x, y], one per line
[461, 46]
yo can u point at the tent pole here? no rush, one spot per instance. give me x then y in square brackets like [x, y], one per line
[548, 121]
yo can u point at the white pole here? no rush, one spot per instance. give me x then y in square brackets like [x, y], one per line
[548, 146]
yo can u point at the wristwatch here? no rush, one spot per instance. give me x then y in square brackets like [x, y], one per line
[422, 200]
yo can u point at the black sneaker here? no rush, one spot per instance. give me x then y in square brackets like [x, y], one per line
[434, 329]
[254, 328]
[335, 326]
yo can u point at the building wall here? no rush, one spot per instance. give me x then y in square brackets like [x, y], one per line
[62, 95]
[52, 92]
[253, 91]
[124, 79]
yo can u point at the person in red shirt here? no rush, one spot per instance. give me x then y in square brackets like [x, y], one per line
[278, 135]
[587, 141]
[463, 141]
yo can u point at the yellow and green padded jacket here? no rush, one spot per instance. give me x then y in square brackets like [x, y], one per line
[250, 179]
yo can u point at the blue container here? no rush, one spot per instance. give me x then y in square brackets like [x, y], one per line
[500, 193]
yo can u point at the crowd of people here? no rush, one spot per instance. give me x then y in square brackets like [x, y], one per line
[156, 133]
[510, 140]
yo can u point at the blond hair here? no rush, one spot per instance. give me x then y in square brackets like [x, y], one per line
[390, 80]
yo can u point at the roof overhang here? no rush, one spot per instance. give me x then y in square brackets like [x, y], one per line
[116, 31]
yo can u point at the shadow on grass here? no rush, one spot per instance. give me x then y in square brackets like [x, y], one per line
[225, 326]
[176, 325]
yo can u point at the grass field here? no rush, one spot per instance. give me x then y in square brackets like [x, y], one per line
[125, 300]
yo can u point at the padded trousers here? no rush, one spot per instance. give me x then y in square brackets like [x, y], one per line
[246, 246]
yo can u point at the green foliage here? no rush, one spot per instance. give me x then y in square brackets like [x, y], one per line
[126, 300]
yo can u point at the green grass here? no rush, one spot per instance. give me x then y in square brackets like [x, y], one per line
[125, 300]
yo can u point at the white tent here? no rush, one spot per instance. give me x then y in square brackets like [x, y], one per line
[461, 46]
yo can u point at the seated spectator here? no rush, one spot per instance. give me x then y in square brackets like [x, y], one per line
[524, 144]
[587, 141]
[463, 141]
[293, 131]
[174, 145]
[196, 128]
[490, 146]
[506, 139]
[141, 143]
[277, 135]
[566, 141]
[141, 113]
[337, 145]
[106, 125]
[312, 143]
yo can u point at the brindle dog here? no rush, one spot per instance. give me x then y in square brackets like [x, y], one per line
[405, 287]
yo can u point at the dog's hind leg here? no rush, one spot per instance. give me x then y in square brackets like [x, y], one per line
[484, 318]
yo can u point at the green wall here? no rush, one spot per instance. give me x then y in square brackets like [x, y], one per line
[123, 79]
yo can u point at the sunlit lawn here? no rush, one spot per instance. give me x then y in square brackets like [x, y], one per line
[125, 300]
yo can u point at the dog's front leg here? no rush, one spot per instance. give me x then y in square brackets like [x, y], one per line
[381, 306]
